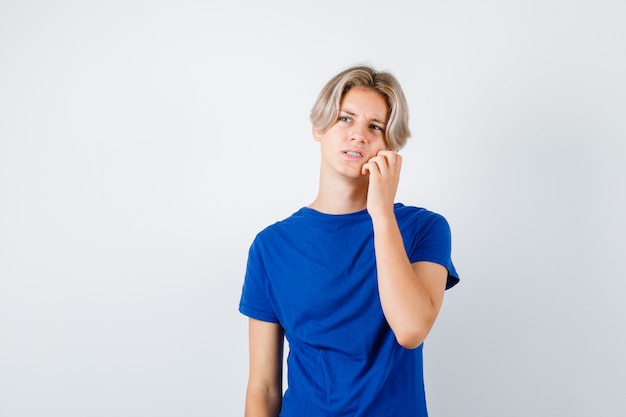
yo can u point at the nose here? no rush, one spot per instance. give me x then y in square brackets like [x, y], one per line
[359, 133]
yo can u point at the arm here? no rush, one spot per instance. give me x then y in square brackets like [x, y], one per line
[410, 294]
[264, 392]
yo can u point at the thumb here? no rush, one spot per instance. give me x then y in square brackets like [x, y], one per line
[365, 169]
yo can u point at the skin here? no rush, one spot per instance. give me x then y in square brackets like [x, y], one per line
[357, 172]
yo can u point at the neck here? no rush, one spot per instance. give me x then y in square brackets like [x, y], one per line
[341, 197]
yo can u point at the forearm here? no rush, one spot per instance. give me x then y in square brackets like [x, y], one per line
[263, 402]
[407, 305]
[265, 390]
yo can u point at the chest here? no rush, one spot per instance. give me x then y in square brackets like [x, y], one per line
[324, 284]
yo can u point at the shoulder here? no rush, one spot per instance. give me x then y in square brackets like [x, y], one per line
[419, 217]
[427, 237]
[286, 226]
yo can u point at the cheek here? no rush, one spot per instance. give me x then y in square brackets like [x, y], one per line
[380, 143]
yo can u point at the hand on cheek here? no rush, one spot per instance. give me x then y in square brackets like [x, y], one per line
[384, 176]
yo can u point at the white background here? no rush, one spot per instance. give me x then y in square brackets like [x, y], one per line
[143, 144]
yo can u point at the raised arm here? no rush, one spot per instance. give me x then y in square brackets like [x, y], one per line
[410, 294]
[264, 392]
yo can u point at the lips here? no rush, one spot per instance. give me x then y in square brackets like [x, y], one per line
[354, 154]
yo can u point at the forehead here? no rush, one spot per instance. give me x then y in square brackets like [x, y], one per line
[366, 101]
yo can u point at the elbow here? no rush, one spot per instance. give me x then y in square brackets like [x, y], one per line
[411, 329]
[411, 338]
[411, 334]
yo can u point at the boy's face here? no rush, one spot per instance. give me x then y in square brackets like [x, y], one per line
[357, 135]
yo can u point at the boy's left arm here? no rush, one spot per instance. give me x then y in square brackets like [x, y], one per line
[411, 295]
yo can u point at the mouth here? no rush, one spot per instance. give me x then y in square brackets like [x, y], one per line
[353, 154]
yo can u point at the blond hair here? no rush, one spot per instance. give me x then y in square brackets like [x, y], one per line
[325, 111]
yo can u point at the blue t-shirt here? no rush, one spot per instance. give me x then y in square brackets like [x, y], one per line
[315, 274]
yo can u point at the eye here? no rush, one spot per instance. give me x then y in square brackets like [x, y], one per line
[345, 119]
[376, 127]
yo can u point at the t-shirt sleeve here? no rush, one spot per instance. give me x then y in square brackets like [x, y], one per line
[255, 299]
[432, 242]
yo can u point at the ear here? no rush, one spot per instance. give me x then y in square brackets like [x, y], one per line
[316, 135]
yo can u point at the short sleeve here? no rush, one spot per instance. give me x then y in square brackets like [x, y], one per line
[255, 299]
[432, 242]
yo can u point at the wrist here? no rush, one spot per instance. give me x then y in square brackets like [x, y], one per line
[384, 219]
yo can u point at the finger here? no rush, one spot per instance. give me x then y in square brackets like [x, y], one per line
[366, 169]
[370, 167]
[393, 159]
[382, 163]
[386, 153]
[390, 157]
[398, 162]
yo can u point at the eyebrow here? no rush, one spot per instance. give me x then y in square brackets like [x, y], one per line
[354, 114]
